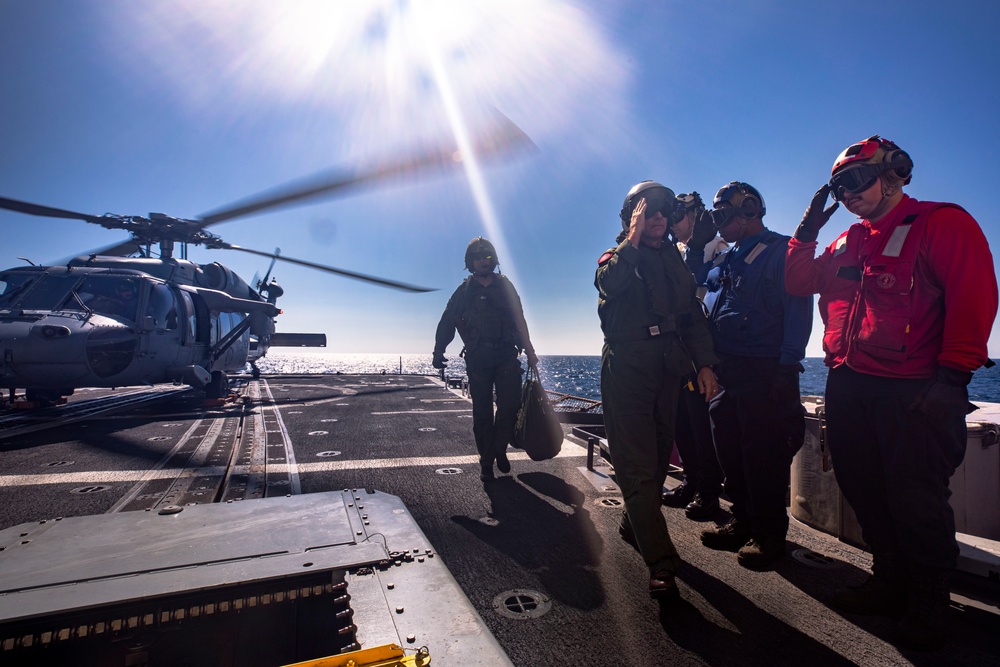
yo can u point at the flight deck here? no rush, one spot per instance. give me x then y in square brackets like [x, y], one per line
[193, 530]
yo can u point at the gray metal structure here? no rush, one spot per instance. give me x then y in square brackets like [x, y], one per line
[255, 582]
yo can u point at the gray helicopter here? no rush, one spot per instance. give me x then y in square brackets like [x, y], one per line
[125, 315]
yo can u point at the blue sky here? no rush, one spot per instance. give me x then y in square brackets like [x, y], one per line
[184, 106]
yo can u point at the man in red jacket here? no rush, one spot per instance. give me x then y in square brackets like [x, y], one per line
[908, 295]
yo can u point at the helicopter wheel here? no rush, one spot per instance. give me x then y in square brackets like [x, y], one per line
[218, 386]
[46, 398]
[255, 372]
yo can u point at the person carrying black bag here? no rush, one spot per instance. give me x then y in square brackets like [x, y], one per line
[487, 312]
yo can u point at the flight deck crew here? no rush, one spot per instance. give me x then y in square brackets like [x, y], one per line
[654, 329]
[698, 494]
[486, 311]
[760, 332]
[908, 295]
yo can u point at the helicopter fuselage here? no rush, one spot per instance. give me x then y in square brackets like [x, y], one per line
[113, 322]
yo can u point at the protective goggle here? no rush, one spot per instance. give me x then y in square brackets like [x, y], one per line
[722, 216]
[669, 207]
[854, 180]
[480, 255]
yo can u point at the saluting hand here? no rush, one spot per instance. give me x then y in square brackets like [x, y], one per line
[815, 216]
[638, 223]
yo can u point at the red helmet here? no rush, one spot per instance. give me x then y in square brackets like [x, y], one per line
[860, 164]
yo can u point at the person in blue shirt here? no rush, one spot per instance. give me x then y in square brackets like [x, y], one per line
[760, 332]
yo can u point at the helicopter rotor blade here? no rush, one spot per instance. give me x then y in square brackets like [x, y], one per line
[270, 267]
[330, 269]
[507, 137]
[47, 211]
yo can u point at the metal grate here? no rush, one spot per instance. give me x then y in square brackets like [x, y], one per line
[521, 603]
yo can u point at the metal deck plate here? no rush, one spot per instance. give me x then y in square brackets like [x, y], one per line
[83, 562]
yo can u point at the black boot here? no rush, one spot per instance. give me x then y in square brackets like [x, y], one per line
[702, 508]
[925, 624]
[679, 496]
[884, 593]
[503, 463]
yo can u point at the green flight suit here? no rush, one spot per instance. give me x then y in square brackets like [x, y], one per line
[654, 328]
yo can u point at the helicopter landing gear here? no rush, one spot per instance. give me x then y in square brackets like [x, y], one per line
[218, 386]
[46, 398]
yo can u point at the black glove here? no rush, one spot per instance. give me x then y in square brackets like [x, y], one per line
[785, 383]
[947, 395]
[704, 231]
[815, 217]
[439, 361]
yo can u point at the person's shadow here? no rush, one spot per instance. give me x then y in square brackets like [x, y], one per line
[541, 523]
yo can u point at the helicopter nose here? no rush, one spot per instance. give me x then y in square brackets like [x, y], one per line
[41, 353]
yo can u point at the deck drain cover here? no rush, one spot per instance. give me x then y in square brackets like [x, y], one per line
[449, 471]
[521, 603]
[159, 438]
[319, 432]
[329, 453]
[427, 429]
[609, 502]
[54, 464]
[814, 559]
[97, 488]
[489, 521]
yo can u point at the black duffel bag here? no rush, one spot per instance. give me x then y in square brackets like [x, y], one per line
[537, 430]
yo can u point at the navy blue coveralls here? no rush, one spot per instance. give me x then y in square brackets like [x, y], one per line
[758, 422]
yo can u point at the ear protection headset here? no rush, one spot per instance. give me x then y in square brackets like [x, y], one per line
[899, 162]
[750, 206]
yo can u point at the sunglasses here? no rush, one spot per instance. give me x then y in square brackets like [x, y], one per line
[481, 255]
[854, 180]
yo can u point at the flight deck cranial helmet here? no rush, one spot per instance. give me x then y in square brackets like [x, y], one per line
[744, 200]
[857, 168]
[692, 203]
[480, 248]
[658, 198]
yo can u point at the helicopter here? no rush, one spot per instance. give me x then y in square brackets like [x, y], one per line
[134, 314]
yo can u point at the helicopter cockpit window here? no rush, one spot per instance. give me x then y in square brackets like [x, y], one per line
[50, 293]
[107, 295]
[163, 307]
[11, 285]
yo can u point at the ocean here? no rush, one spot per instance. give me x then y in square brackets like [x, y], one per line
[566, 374]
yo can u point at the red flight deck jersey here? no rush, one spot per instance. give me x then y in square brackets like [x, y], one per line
[900, 296]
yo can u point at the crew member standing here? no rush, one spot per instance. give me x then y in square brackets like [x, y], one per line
[758, 421]
[486, 311]
[654, 329]
[908, 295]
[698, 494]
